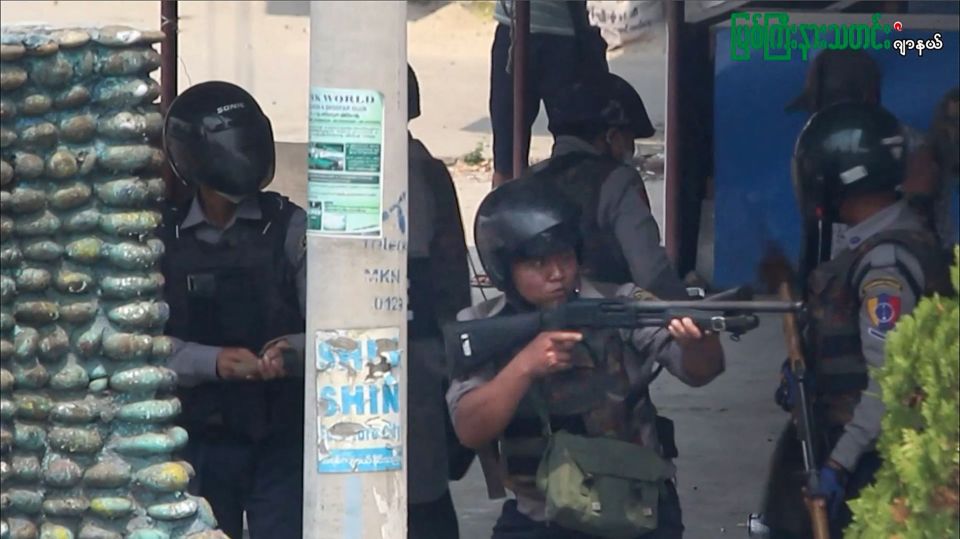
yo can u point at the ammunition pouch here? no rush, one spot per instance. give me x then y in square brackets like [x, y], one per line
[602, 486]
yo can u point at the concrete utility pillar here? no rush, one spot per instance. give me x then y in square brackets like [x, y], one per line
[354, 472]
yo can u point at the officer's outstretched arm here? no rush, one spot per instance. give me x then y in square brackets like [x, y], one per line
[482, 414]
[694, 358]
[701, 353]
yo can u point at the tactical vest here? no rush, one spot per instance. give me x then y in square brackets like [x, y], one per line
[840, 370]
[239, 292]
[421, 311]
[580, 176]
[586, 400]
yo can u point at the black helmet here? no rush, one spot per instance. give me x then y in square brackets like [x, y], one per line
[215, 134]
[609, 102]
[846, 149]
[523, 218]
[626, 95]
[413, 94]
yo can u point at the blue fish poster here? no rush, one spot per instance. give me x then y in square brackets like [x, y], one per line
[358, 400]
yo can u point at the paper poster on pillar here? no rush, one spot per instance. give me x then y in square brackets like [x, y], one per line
[358, 400]
[345, 163]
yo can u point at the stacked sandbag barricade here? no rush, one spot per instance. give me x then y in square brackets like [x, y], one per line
[87, 406]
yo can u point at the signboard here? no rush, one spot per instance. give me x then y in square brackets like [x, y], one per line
[345, 163]
[358, 400]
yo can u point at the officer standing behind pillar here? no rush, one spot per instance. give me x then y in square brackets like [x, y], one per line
[235, 273]
[439, 287]
[848, 163]
[594, 126]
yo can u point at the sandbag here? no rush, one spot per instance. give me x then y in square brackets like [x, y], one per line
[87, 437]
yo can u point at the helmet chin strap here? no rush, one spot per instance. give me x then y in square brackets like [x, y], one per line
[817, 245]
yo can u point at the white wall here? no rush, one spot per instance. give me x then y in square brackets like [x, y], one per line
[263, 48]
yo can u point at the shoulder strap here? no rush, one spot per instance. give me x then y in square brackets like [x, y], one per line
[898, 238]
[276, 211]
[591, 170]
[173, 214]
[539, 402]
[275, 208]
[565, 161]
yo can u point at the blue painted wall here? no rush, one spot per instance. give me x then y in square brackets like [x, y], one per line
[754, 139]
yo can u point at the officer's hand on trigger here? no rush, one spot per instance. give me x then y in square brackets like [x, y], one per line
[271, 363]
[235, 363]
[548, 353]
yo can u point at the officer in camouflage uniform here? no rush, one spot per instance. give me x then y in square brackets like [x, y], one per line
[848, 162]
[595, 126]
[594, 383]
[235, 273]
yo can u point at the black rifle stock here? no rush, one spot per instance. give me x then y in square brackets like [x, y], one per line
[472, 344]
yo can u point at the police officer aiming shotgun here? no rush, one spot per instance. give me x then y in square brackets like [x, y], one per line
[572, 399]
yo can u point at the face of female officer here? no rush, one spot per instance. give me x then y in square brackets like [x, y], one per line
[546, 281]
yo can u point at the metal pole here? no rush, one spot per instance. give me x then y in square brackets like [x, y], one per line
[355, 284]
[672, 150]
[168, 78]
[521, 37]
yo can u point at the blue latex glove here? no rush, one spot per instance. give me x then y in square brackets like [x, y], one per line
[786, 392]
[833, 489]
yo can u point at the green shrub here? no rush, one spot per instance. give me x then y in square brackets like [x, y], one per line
[917, 490]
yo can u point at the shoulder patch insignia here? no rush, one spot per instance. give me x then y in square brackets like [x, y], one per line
[884, 310]
[644, 295]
